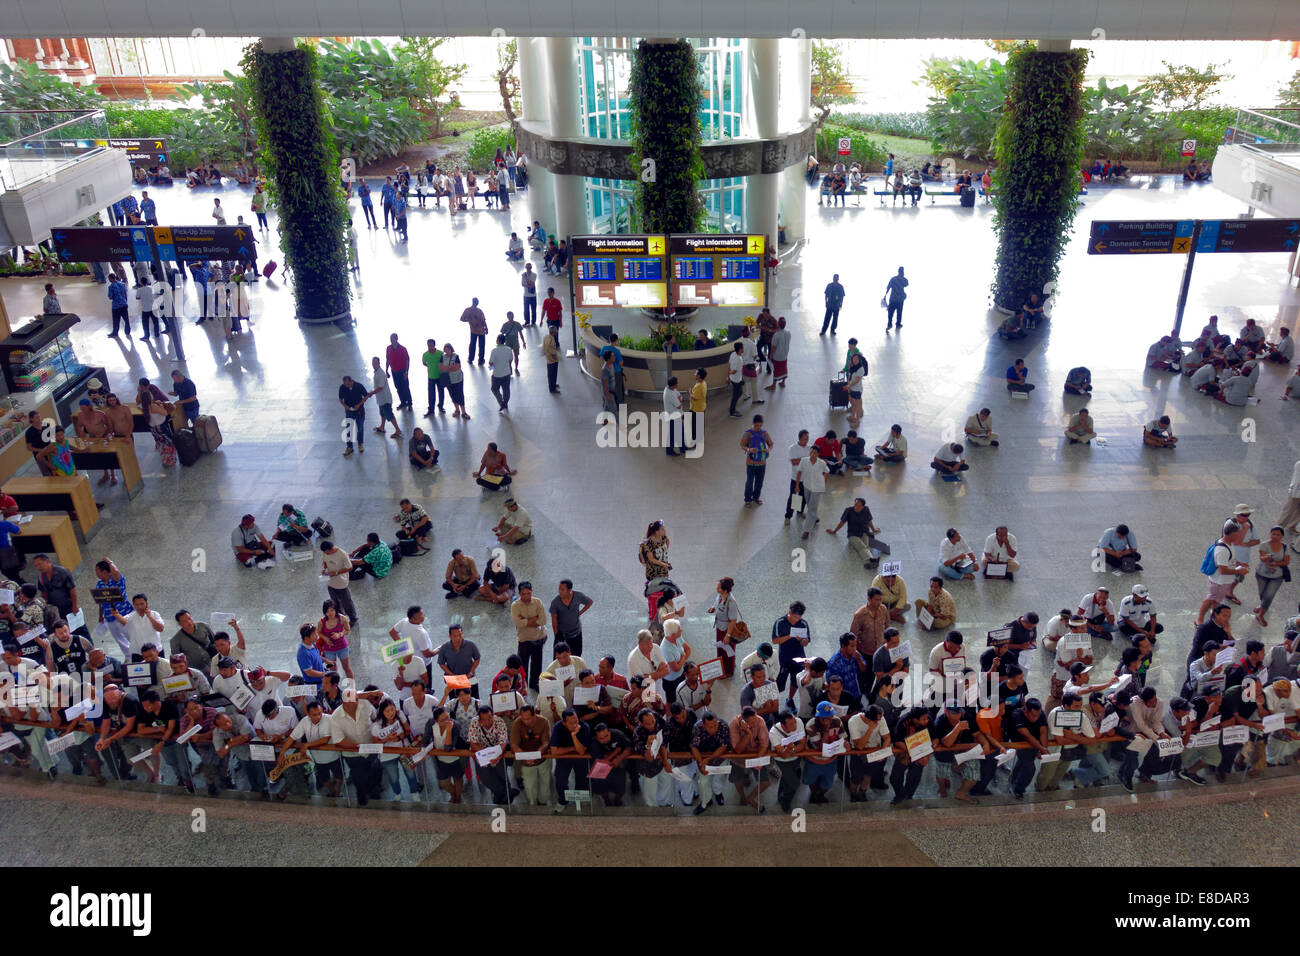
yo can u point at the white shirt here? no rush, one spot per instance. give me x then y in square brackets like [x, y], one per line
[945, 453]
[309, 732]
[939, 653]
[419, 717]
[950, 549]
[1222, 557]
[354, 729]
[1286, 348]
[735, 365]
[1089, 608]
[270, 691]
[501, 359]
[862, 739]
[1054, 729]
[640, 665]
[672, 402]
[408, 672]
[140, 630]
[813, 475]
[998, 551]
[416, 632]
[519, 518]
[281, 722]
[1136, 614]
[749, 349]
[379, 381]
[800, 452]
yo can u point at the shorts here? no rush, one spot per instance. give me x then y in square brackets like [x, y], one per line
[743, 776]
[340, 655]
[819, 774]
[954, 772]
[1218, 593]
[455, 770]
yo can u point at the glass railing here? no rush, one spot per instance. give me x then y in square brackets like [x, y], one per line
[1271, 128]
[38, 143]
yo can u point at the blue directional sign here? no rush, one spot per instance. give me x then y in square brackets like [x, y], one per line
[140, 244]
[1248, 235]
[1136, 237]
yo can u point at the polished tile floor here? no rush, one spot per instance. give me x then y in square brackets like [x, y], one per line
[274, 392]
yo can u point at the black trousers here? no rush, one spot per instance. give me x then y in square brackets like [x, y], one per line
[476, 341]
[369, 210]
[553, 376]
[894, 307]
[365, 775]
[832, 319]
[402, 382]
[123, 315]
[789, 511]
[736, 389]
[530, 652]
[574, 641]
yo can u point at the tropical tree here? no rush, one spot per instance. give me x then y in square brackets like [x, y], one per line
[965, 105]
[1184, 87]
[25, 86]
[226, 111]
[830, 83]
[507, 80]
[433, 78]
[1289, 95]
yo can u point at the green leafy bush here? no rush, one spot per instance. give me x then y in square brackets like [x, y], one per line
[486, 142]
[664, 106]
[368, 128]
[911, 125]
[861, 149]
[25, 86]
[302, 164]
[1039, 151]
[966, 104]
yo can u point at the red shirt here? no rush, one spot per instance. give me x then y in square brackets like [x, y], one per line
[552, 310]
[399, 360]
[827, 449]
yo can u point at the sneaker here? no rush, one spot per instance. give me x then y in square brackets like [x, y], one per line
[269, 563]
[347, 453]
[1192, 778]
[559, 808]
[1126, 783]
[701, 808]
[251, 562]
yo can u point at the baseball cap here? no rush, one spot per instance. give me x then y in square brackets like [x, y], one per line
[1140, 590]
[84, 401]
[826, 709]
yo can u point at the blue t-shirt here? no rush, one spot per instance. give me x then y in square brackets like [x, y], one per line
[123, 606]
[147, 208]
[1013, 374]
[117, 294]
[309, 659]
[363, 190]
[6, 529]
[1114, 542]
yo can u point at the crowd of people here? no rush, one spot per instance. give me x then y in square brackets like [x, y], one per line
[1225, 369]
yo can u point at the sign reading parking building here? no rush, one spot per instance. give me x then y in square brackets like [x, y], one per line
[1138, 237]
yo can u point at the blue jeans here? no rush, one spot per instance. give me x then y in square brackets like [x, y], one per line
[393, 772]
[754, 481]
[1093, 767]
[954, 574]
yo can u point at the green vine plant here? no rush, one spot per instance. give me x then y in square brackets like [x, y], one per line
[1039, 150]
[301, 162]
[665, 94]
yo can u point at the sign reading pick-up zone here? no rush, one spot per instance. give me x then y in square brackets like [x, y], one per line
[1124, 237]
[136, 243]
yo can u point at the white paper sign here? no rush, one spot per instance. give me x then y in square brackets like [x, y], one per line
[1006, 758]
[371, 748]
[995, 570]
[1224, 657]
[716, 771]
[1274, 722]
[566, 674]
[528, 755]
[1235, 735]
[241, 696]
[549, 688]
[6, 596]
[904, 649]
[834, 747]
[952, 666]
[1050, 757]
[424, 753]
[891, 568]
[219, 620]
[765, 692]
[59, 744]
[487, 755]
[795, 736]
[968, 755]
[76, 710]
[75, 620]
[586, 695]
[177, 683]
[712, 670]
[841, 710]
[1169, 746]
[1108, 723]
[878, 755]
[263, 751]
[142, 755]
[655, 744]
[295, 691]
[502, 703]
[681, 774]
[925, 618]
[194, 729]
[1206, 738]
[762, 761]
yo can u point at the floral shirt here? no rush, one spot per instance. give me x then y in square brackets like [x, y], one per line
[285, 522]
[706, 742]
[410, 520]
[818, 735]
[498, 735]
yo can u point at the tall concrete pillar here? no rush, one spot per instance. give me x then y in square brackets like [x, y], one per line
[562, 93]
[796, 68]
[764, 83]
[533, 83]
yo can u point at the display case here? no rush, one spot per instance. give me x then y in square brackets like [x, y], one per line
[40, 363]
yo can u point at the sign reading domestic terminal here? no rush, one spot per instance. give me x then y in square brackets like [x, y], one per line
[724, 270]
[1138, 237]
[628, 272]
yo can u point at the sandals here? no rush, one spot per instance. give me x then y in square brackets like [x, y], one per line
[1234, 600]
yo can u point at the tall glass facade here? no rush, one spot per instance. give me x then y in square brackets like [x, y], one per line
[604, 74]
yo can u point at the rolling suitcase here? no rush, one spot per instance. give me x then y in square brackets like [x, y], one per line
[207, 433]
[839, 393]
[187, 447]
[268, 270]
[967, 198]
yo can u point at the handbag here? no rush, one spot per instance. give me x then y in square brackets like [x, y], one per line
[1286, 574]
[737, 631]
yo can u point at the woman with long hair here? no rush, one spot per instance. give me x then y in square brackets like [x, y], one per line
[333, 629]
[390, 727]
[727, 624]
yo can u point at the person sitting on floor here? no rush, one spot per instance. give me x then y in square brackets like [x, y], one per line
[1199, 353]
[292, 527]
[1292, 382]
[948, 460]
[1078, 381]
[829, 451]
[1080, 428]
[979, 429]
[1165, 355]
[1252, 335]
[1191, 171]
[251, 546]
[1283, 351]
[1158, 433]
[461, 579]
[416, 525]
[1013, 327]
[894, 447]
[515, 250]
[421, 450]
[855, 452]
[494, 472]
[498, 585]
[374, 558]
[1234, 389]
[1206, 378]
[1018, 377]
[1035, 310]
[515, 526]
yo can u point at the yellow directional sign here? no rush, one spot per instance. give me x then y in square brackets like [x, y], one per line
[1182, 244]
[162, 234]
[654, 245]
